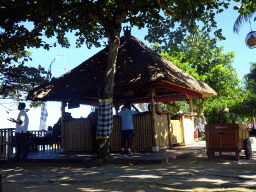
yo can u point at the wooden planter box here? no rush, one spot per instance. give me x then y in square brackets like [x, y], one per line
[225, 138]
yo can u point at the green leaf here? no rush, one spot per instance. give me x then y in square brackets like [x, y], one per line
[221, 10]
[236, 8]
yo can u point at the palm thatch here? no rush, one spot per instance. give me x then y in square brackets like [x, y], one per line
[241, 19]
[138, 70]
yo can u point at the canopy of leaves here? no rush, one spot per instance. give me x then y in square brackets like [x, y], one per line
[200, 57]
[15, 77]
[15, 39]
[250, 79]
[247, 105]
[243, 102]
[246, 10]
[224, 81]
[176, 106]
[246, 7]
[93, 20]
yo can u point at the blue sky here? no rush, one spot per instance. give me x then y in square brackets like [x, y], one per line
[72, 57]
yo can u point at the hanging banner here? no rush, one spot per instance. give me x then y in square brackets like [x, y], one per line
[43, 119]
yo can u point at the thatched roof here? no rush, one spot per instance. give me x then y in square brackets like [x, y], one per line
[138, 70]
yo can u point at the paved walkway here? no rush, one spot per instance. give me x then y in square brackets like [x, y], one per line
[163, 156]
[186, 174]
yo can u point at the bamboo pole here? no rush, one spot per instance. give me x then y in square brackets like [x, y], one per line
[155, 147]
[169, 129]
[63, 105]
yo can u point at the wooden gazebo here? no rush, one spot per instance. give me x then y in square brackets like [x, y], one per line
[142, 76]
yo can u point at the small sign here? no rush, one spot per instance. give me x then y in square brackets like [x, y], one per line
[220, 127]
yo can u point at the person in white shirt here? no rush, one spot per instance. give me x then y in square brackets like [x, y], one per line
[21, 135]
[127, 126]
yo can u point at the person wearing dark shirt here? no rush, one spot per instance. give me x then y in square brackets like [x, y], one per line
[48, 135]
[93, 120]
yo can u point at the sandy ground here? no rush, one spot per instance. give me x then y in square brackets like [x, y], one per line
[190, 174]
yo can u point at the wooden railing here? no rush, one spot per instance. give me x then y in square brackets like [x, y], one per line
[37, 142]
[77, 133]
[7, 142]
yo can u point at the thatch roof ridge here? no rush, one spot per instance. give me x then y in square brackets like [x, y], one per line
[136, 64]
[169, 71]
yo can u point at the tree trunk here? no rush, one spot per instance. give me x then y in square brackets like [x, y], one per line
[201, 107]
[105, 95]
[106, 88]
[190, 104]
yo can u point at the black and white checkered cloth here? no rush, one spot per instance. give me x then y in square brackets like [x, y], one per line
[105, 119]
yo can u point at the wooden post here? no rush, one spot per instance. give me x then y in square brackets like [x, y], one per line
[0, 182]
[116, 106]
[63, 105]
[183, 129]
[155, 147]
[190, 104]
[169, 130]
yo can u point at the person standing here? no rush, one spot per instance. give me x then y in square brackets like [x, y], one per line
[127, 126]
[93, 120]
[21, 133]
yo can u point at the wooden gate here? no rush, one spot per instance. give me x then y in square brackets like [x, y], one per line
[77, 134]
[142, 140]
[176, 132]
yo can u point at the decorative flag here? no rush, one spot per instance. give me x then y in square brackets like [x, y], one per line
[49, 74]
[43, 119]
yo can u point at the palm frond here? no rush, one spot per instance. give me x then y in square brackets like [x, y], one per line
[241, 19]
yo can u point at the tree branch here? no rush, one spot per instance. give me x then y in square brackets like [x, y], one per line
[172, 13]
[94, 16]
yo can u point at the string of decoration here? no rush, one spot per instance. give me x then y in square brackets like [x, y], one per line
[49, 74]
